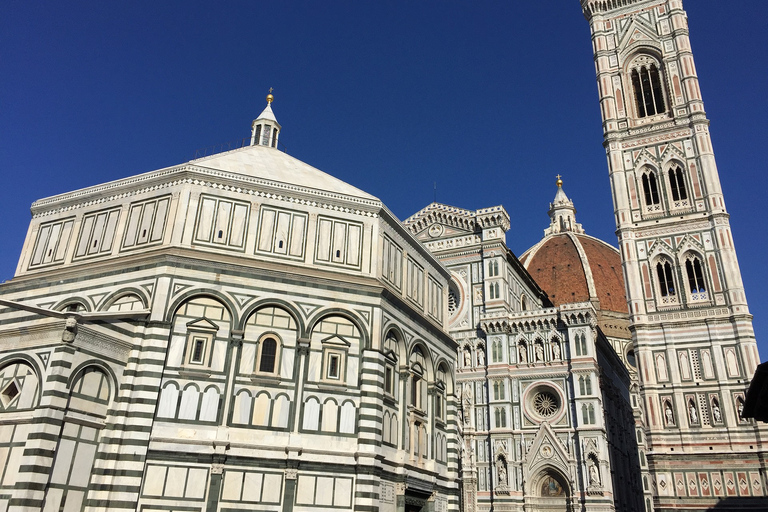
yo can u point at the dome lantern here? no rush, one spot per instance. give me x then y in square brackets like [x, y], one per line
[265, 129]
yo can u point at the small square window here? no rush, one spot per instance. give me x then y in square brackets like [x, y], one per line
[9, 393]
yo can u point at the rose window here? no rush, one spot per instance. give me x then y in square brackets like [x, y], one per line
[545, 404]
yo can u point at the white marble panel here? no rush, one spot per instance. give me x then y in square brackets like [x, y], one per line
[273, 488]
[74, 501]
[210, 405]
[64, 456]
[347, 423]
[252, 487]
[342, 496]
[197, 480]
[311, 414]
[305, 490]
[154, 480]
[233, 485]
[189, 400]
[169, 397]
[280, 409]
[324, 491]
[242, 412]
[330, 416]
[81, 468]
[175, 482]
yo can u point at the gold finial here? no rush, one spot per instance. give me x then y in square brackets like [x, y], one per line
[559, 181]
[270, 98]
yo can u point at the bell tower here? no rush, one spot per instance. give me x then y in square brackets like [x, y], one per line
[691, 325]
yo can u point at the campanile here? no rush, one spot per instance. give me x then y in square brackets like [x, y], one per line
[691, 326]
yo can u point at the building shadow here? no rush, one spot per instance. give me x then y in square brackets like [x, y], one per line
[741, 504]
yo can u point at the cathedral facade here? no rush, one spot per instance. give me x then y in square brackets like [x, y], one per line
[246, 332]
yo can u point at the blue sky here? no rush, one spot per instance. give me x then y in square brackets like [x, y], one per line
[487, 99]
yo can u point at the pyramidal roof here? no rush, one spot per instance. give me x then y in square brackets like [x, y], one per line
[273, 165]
[267, 114]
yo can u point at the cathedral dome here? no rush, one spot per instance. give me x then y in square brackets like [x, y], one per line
[572, 266]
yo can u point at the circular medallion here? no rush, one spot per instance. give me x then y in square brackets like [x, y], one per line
[435, 230]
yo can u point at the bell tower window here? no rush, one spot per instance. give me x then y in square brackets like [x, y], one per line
[646, 85]
[695, 276]
[666, 282]
[651, 189]
[677, 184]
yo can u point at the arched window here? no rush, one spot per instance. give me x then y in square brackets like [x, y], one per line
[677, 184]
[646, 84]
[585, 385]
[666, 279]
[501, 417]
[268, 355]
[696, 283]
[651, 189]
[588, 414]
[523, 303]
[581, 345]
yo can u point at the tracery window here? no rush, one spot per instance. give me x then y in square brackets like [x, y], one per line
[501, 417]
[498, 390]
[696, 284]
[581, 345]
[588, 414]
[677, 184]
[647, 88]
[585, 385]
[651, 189]
[666, 282]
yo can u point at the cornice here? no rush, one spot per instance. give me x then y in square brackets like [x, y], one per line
[210, 178]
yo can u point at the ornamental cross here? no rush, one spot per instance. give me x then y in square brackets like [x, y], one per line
[270, 90]
[558, 176]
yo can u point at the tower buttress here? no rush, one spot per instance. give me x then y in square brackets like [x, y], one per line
[690, 321]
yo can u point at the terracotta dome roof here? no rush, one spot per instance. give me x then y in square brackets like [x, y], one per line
[573, 267]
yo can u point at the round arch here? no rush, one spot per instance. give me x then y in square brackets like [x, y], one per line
[197, 293]
[399, 336]
[80, 369]
[107, 301]
[70, 301]
[551, 490]
[288, 307]
[365, 338]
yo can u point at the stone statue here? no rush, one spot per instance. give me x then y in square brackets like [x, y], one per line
[692, 413]
[539, 352]
[556, 351]
[716, 412]
[480, 357]
[523, 354]
[501, 471]
[594, 474]
[668, 414]
[468, 393]
[467, 358]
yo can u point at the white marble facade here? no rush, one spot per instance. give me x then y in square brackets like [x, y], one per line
[239, 332]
